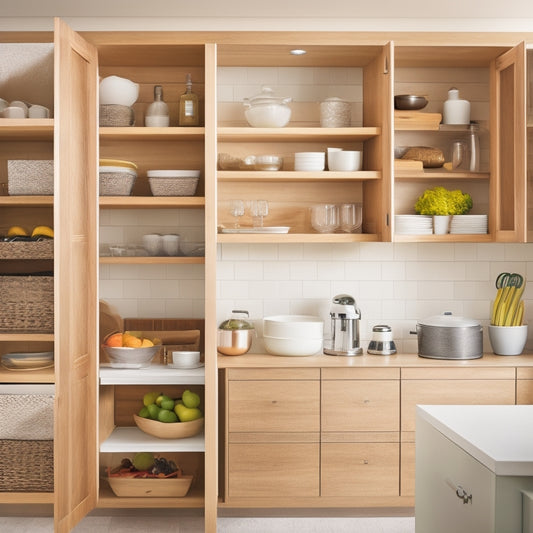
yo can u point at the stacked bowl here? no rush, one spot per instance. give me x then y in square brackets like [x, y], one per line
[309, 161]
[293, 335]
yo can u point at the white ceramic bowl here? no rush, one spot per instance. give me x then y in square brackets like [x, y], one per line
[118, 91]
[345, 161]
[184, 359]
[508, 340]
[309, 161]
[268, 115]
[292, 346]
[293, 326]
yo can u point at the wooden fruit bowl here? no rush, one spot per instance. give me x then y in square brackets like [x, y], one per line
[175, 487]
[170, 430]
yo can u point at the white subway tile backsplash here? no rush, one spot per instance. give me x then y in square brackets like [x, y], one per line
[393, 270]
[376, 289]
[436, 251]
[303, 270]
[194, 289]
[249, 270]
[278, 270]
[263, 252]
[431, 270]
[327, 270]
[316, 290]
[370, 270]
[263, 289]
[405, 290]
[435, 290]
[288, 252]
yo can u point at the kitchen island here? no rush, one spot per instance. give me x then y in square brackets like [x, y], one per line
[473, 463]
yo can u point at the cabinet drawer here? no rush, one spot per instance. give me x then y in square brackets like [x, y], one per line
[273, 470]
[359, 405]
[524, 391]
[452, 392]
[407, 469]
[360, 469]
[271, 406]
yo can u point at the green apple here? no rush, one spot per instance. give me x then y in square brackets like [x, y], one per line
[168, 404]
[153, 409]
[167, 416]
[144, 412]
[185, 414]
[162, 398]
[190, 399]
[150, 397]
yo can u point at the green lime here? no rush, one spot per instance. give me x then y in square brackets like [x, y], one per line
[167, 416]
[167, 404]
[190, 399]
[144, 412]
[154, 409]
[161, 398]
[143, 460]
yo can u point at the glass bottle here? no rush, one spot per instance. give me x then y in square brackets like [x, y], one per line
[189, 115]
[157, 112]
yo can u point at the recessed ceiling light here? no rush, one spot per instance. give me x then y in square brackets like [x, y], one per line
[298, 52]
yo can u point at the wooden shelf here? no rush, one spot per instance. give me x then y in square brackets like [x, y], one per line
[439, 174]
[249, 134]
[8, 336]
[30, 201]
[456, 237]
[151, 134]
[108, 500]
[46, 375]
[27, 129]
[151, 202]
[152, 260]
[26, 498]
[132, 439]
[286, 176]
[273, 238]
[154, 374]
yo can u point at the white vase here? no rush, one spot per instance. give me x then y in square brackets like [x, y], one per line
[441, 224]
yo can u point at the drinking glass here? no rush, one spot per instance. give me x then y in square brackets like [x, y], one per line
[351, 217]
[237, 210]
[259, 209]
[325, 218]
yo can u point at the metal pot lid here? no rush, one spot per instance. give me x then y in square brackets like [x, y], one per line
[236, 322]
[266, 96]
[448, 320]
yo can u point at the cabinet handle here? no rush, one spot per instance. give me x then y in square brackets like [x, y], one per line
[460, 492]
[386, 66]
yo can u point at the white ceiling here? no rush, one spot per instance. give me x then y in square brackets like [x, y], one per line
[340, 9]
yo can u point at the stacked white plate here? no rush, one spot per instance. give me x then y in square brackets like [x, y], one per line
[468, 224]
[413, 224]
[309, 161]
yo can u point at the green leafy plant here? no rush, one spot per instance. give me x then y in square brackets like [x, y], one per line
[441, 201]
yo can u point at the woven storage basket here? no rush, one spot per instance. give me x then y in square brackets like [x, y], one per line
[26, 417]
[27, 177]
[116, 183]
[26, 465]
[43, 249]
[27, 303]
[116, 115]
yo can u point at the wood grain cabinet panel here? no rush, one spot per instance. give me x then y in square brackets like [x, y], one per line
[360, 469]
[524, 386]
[273, 470]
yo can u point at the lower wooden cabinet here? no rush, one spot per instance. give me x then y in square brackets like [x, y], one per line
[524, 386]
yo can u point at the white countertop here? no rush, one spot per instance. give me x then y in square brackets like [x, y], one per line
[498, 436]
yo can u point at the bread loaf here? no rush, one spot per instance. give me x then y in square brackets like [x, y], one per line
[430, 157]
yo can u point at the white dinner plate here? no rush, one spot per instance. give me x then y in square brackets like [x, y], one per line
[270, 229]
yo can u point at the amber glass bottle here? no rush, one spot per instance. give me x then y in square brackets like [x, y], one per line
[189, 115]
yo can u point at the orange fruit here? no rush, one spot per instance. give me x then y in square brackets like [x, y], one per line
[115, 340]
[129, 341]
[146, 343]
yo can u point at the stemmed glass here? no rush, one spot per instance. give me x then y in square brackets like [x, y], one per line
[259, 209]
[237, 210]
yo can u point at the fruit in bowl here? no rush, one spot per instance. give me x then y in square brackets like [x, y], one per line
[126, 350]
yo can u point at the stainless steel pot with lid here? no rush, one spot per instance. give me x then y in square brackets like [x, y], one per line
[234, 336]
[449, 337]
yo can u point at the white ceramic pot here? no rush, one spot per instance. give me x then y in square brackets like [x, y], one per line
[508, 340]
[292, 346]
[441, 224]
[293, 326]
[266, 110]
[118, 91]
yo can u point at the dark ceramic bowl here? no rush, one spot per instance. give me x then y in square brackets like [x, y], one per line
[409, 102]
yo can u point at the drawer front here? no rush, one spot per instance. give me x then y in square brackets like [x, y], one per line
[407, 469]
[452, 392]
[358, 405]
[273, 470]
[360, 469]
[524, 391]
[273, 406]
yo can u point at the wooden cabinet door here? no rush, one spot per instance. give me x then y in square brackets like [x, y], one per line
[273, 470]
[360, 469]
[75, 275]
[360, 405]
[508, 190]
[274, 406]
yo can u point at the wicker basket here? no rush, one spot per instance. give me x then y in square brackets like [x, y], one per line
[27, 303]
[29, 177]
[34, 418]
[26, 466]
[177, 186]
[116, 116]
[116, 183]
[43, 249]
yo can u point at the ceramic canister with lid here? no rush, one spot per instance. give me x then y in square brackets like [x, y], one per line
[455, 110]
[335, 113]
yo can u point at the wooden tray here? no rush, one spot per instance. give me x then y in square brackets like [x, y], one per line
[150, 487]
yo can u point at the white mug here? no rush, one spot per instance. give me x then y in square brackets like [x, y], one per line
[13, 112]
[22, 105]
[38, 111]
[171, 245]
[153, 244]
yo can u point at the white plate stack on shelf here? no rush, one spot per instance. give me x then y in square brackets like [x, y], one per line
[413, 224]
[309, 161]
[464, 224]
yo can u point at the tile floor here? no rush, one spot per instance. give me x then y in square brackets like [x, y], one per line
[192, 524]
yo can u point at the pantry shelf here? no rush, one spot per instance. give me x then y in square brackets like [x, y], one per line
[280, 238]
[150, 134]
[151, 202]
[152, 260]
[248, 134]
